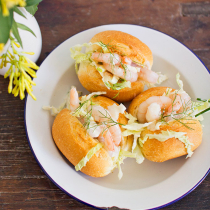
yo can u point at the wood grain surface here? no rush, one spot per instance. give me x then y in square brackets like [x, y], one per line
[23, 185]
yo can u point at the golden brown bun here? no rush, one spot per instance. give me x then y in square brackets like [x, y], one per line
[127, 45]
[157, 151]
[74, 142]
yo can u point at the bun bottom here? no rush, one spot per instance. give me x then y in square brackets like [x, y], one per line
[91, 80]
[157, 151]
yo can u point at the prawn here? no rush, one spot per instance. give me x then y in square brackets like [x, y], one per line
[116, 133]
[180, 102]
[147, 115]
[148, 75]
[114, 64]
[108, 139]
[126, 60]
[122, 73]
[110, 58]
[74, 99]
[101, 115]
[94, 130]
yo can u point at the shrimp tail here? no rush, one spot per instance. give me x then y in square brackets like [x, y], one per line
[74, 99]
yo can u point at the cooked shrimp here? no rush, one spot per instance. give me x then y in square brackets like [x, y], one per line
[110, 58]
[122, 73]
[74, 99]
[94, 130]
[101, 115]
[108, 140]
[113, 63]
[147, 75]
[126, 60]
[153, 112]
[163, 101]
[179, 103]
[116, 133]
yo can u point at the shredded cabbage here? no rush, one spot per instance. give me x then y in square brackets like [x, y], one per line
[127, 154]
[201, 105]
[155, 125]
[137, 150]
[119, 85]
[168, 91]
[120, 173]
[86, 97]
[131, 118]
[54, 110]
[119, 162]
[135, 129]
[133, 69]
[136, 126]
[165, 135]
[139, 156]
[83, 110]
[135, 138]
[179, 82]
[161, 78]
[122, 155]
[78, 56]
[85, 159]
[149, 85]
[111, 81]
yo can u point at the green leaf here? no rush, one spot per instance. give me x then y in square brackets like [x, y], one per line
[18, 11]
[5, 26]
[32, 2]
[16, 32]
[32, 9]
[23, 27]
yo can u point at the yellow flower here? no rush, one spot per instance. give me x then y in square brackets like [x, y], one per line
[1, 47]
[5, 10]
[8, 4]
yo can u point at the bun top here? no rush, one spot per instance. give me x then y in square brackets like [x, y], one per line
[123, 44]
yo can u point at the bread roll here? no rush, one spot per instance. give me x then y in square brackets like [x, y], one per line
[156, 150]
[74, 142]
[126, 45]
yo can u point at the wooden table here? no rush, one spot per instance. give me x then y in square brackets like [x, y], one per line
[23, 185]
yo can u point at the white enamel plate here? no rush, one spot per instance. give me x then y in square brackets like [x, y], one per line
[146, 186]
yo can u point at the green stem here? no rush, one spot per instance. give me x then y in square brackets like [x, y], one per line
[204, 111]
[199, 99]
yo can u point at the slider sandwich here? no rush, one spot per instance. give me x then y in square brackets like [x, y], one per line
[165, 123]
[88, 131]
[117, 63]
